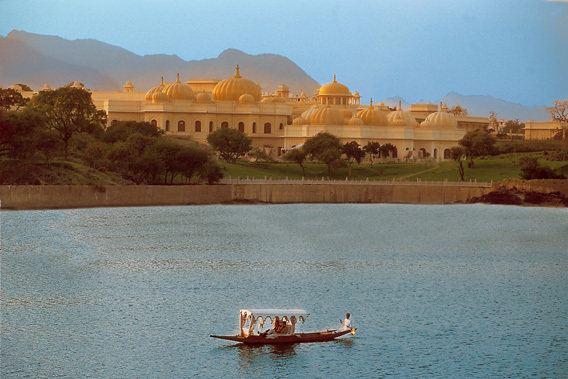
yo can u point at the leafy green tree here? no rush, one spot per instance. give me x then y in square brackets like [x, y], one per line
[386, 149]
[121, 130]
[372, 148]
[10, 99]
[68, 111]
[477, 143]
[458, 154]
[231, 144]
[513, 126]
[531, 169]
[17, 133]
[353, 153]
[95, 153]
[191, 158]
[46, 143]
[297, 156]
[210, 172]
[324, 147]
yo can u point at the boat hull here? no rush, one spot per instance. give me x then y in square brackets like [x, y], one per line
[287, 339]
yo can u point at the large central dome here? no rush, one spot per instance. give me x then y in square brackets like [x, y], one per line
[233, 88]
[334, 89]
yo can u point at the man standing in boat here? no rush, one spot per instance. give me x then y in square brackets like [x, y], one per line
[346, 323]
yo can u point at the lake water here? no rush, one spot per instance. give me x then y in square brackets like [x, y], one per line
[446, 291]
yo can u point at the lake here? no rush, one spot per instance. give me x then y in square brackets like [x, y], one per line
[447, 291]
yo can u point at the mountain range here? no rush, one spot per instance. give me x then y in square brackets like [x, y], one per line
[36, 59]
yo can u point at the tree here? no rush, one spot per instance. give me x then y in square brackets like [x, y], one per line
[386, 149]
[477, 143]
[297, 156]
[458, 154]
[353, 153]
[18, 132]
[324, 147]
[458, 111]
[513, 126]
[211, 172]
[559, 111]
[191, 158]
[531, 169]
[493, 121]
[121, 130]
[372, 148]
[10, 99]
[231, 144]
[68, 111]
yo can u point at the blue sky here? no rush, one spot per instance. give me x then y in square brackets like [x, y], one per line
[516, 50]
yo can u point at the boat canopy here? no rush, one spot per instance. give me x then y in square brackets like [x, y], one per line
[252, 316]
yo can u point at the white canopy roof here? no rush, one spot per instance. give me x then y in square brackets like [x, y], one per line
[271, 313]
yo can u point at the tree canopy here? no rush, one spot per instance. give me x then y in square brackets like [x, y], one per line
[297, 156]
[353, 153]
[11, 99]
[478, 143]
[372, 148]
[324, 147]
[559, 110]
[68, 111]
[231, 144]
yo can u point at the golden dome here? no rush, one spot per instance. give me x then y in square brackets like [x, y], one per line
[401, 118]
[153, 90]
[347, 113]
[267, 100]
[231, 89]
[327, 116]
[203, 97]
[299, 121]
[128, 84]
[159, 97]
[178, 91]
[356, 95]
[355, 121]
[307, 114]
[334, 89]
[246, 99]
[373, 116]
[440, 120]
[46, 87]
[303, 96]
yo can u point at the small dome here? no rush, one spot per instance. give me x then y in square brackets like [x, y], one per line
[46, 87]
[203, 97]
[154, 90]
[178, 91]
[128, 84]
[334, 89]
[231, 89]
[246, 99]
[347, 113]
[158, 97]
[356, 95]
[401, 118]
[327, 116]
[440, 120]
[299, 121]
[355, 121]
[307, 114]
[373, 116]
[266, 100]
[303, 96]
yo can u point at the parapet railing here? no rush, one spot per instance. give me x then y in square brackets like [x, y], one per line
[418, 182]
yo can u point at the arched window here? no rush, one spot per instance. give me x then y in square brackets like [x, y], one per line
[267, 128]
[447, 154]
[210, 126]
[254, 127]
[281, 126]
[181, 126]
[224, 125]
[154, 123]
[435, 153]
[167, 125]
[197, 126]
[241, 127]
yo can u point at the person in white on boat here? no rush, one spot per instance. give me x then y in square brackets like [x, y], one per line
[346, 323]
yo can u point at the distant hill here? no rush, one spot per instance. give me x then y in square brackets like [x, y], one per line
[35, 59]
[481, 106]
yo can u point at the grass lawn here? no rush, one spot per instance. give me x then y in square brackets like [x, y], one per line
[494, 169]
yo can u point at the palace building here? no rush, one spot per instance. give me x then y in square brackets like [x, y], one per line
[279, 121]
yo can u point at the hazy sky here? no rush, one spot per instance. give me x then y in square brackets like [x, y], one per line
[418, 49]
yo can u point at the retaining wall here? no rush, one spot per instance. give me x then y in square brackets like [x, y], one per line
[48, 197]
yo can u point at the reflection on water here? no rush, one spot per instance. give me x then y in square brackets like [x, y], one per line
[444, 291]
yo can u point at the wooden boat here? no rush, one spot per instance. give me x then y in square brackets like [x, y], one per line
[248, 319]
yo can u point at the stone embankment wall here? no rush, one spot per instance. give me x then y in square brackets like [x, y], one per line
[50, 197]
[536, 185]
